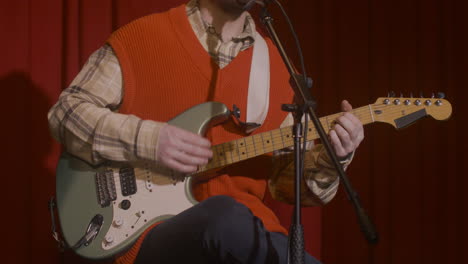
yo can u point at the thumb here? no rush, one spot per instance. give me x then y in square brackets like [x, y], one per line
[346, 106]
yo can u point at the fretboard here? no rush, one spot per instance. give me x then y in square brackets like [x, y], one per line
[266, 142]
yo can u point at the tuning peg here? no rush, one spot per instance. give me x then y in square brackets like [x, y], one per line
[433, 95]
[440, 95]
[421, 94]
[401, 94]
[411, 95]
[391, 94]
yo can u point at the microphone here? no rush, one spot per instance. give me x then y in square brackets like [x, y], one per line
[247, 6]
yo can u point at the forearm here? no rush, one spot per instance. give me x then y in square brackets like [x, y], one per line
[85, 121]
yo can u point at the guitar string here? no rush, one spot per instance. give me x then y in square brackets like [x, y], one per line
[276, 134]
[363, 113]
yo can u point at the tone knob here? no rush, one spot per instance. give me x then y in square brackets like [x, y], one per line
[118, 222]
[109, 239]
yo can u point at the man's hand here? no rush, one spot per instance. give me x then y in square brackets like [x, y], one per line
[347, 133]
[182, 150]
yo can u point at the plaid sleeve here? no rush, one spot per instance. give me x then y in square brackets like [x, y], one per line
[85, 118]
[320, 176]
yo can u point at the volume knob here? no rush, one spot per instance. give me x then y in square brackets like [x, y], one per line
[118, 222]
[109, 239]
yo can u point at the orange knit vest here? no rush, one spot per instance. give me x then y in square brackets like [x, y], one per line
[166, 71]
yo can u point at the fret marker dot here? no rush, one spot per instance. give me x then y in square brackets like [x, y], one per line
[243, 153]
[268, 141]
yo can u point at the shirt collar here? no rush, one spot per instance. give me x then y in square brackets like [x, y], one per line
[202, 28]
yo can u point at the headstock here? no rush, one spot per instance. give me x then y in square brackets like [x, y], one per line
[403, 111]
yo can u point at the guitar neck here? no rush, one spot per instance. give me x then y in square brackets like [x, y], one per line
[266, 142]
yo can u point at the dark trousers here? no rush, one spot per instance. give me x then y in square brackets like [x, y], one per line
[217, 230]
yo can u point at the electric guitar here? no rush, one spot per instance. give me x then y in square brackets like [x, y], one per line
[103, 210]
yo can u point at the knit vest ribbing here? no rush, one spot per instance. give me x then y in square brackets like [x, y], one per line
[166, 71]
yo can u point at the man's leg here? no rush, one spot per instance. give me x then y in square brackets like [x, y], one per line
[218, 230]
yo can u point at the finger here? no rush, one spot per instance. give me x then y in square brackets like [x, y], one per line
[188, 142]
[345, 139]
[192, 138]
[336, 143]
[187, 159]
[346, 106]
[180, 167]
[186, 136]
[353, 118]
[354, 129]
[175, 148]
[196, 151]
[346, 123]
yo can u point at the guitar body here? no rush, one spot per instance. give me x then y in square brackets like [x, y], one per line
[128, 202]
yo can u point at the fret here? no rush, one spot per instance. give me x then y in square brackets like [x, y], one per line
[311, 133]
[235, 145]
[215, 161]
[263, 142]
[282, 138]
[267, 145]
[224, 154]
[286, 132]
[242, 149]
[250, 147]
[258, 145]
[230, 150]
[268, 138]
[220, 155]
[211, 162]
[272, 140]
[278, 142]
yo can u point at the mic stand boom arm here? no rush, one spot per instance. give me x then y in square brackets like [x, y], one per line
[304, 97]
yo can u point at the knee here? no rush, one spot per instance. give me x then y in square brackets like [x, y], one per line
[222, 206]
[218, 202]
[226, 214]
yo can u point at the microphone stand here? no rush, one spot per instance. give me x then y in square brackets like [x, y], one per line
[306, 104]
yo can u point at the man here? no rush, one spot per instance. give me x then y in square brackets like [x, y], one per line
[158, 66]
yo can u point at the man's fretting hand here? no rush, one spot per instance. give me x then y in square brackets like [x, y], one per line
[348, 132]
[182, 150]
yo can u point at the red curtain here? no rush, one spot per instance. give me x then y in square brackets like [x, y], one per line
[44, 45]
[411, 181]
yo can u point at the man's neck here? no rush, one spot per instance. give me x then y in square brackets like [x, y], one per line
[227, 24]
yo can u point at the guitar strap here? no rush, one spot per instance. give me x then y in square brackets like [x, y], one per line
[258, 98]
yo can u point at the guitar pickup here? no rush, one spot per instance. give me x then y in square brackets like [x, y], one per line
[105, 187]
[127, 181]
